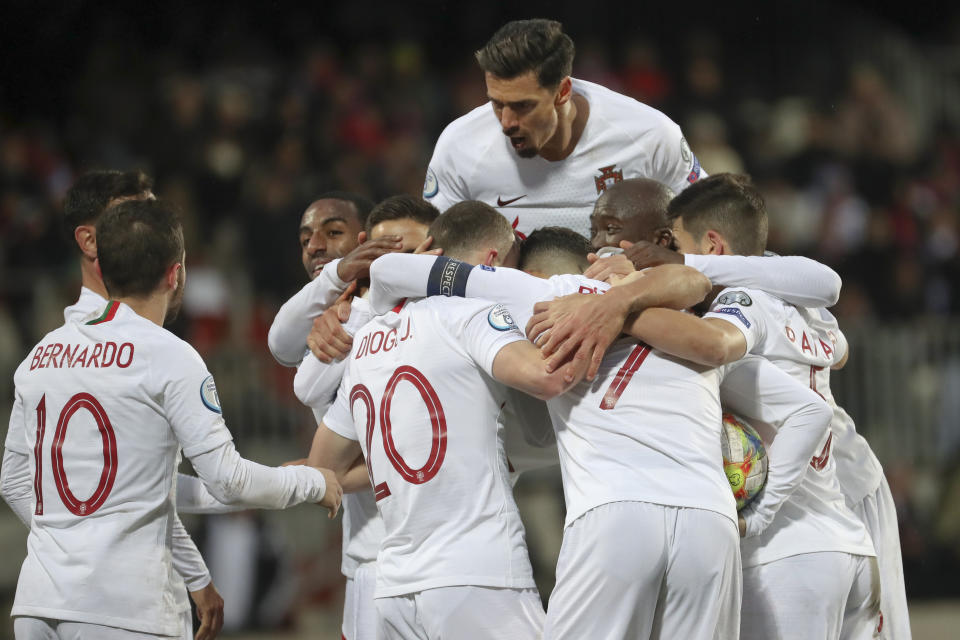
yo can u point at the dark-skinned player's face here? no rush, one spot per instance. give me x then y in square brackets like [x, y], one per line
[608, 229]
[328, 230]
[527, 112]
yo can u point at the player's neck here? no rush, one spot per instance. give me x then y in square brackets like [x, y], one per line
[153, 308]
[90, 279]
[572, 121]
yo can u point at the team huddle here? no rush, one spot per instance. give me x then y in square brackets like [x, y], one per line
[446, 345]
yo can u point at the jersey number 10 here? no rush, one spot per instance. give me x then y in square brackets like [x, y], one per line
[438, 423]
[107, 475]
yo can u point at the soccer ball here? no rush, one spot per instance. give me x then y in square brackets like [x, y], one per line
[744, 459]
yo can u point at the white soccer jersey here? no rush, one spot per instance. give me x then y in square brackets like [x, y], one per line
[622, 139]
[858, 469]
[815, 518]
[106, 406]
[420, 398]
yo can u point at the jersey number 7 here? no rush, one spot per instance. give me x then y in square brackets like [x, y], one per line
[438, 423]
[107, 475]
[624, 375]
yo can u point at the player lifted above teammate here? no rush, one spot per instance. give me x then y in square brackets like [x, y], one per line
[548, 144]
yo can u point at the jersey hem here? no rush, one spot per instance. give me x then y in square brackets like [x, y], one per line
[466, 581]
[773, 557]
[574, 516]
[174, 628]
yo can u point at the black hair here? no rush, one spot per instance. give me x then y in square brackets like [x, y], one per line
[537, 45]
[555, 243]
[467, 225]
[402, 207]
[728, 203]
[361, 204]
[93, 191]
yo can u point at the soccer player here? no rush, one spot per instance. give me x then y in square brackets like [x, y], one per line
[813, 535]
[86, 200]
[815, 566]
[424, 385]
[643, 460]
[105, 406]
[316, 386]
[547, 144]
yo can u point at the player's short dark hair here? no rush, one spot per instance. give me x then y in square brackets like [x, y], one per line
[555, 243]
[728, 203]
[361, 204]
[137, 241]
[94, 190]
[537, 45]
[467, 225]
[402, 207]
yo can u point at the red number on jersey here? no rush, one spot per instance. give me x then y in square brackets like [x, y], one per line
[107, 475]
[623, 377]
[438, 423]
[820, 461]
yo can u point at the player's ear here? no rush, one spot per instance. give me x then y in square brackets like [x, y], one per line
[714, 244]
[170, 277]
[663, 237]
[564, 92]
[491, 257]
[361, 237]
[86, 238]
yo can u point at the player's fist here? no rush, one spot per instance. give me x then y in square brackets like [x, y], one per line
[334, 493]
[209, 611]
[328, 340]
[645, 254]
[609, 268]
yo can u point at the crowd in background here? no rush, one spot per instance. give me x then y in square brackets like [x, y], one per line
[847, 130]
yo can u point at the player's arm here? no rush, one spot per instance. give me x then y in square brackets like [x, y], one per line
[706, 341]
[336, 446]
[189, 564]
[672, 162]
[194, 498]
[794, 279]
[443, 185]
[397, 276]
[757, 390]
[520, 365]
[16, 482]
[586, 326]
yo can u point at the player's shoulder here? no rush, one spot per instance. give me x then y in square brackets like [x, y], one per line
[634, 117]
[567, 283]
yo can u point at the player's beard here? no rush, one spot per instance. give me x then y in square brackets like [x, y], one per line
[173, 309]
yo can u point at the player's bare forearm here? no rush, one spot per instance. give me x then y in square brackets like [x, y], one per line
[357, 478]
[673, 286]
[521, 366]
[686, 336]
[332, 451]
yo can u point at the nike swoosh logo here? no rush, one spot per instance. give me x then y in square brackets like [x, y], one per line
[502, 203]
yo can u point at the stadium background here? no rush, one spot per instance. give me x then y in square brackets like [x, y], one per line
[847, 116]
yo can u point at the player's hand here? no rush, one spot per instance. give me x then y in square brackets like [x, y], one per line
[608, 268]
[645, 254]
[334, 493]
[356, 264]
[328, 340]
[424, 248]
[209, 612]
[582, 325]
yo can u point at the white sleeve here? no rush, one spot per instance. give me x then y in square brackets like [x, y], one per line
[339, 417]
[755, 389]
[444, 184]
[236, 481]
[16, 437]
[738, 307]
[672, 161]
[483, 330]
[287, 338]
[193, 497]
[187, 560]
[315, 384]
[398, 275]
[794, 279]
[16, 484]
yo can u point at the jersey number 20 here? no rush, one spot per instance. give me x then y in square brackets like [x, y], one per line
[107, 475]
[438, 423]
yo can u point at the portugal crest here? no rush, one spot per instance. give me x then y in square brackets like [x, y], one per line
[607, 177]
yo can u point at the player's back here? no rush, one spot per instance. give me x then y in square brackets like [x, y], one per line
[425, 409]
[647, 428]
[815, 518]
[104, 461]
